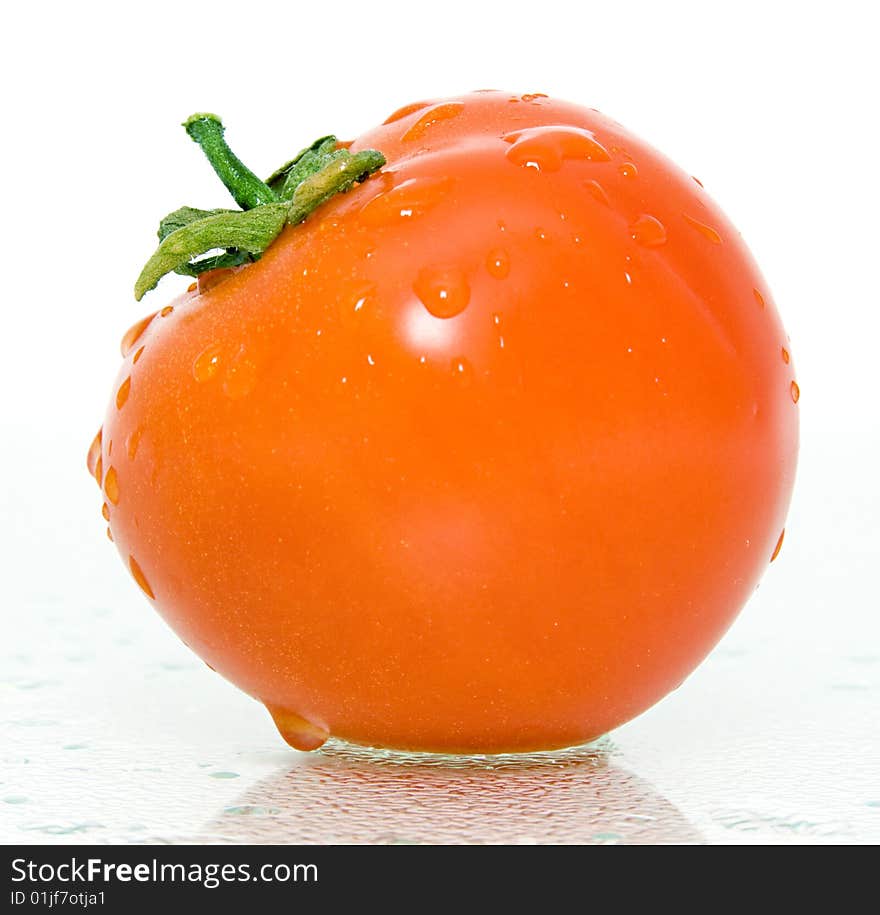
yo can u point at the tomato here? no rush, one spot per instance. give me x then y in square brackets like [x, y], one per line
[485, 455]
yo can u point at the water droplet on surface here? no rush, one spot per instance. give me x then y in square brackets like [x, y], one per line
[166, 311]
[223, 775]
[207, 363]
[297, 731]
[498, 263]
[778, 546]
[94, 452]
[192, 287]
[628, 170]
[251, 810]
[99, 471]
[406, 110]
[697, 180]
[649, 231]
[240, 377]
[105, 512]
[134, 333]
[410, 199]
[432, 116]
[759, 298]
[795, 391]
[546, 148]
[704, 230]
[597, 191]
[123, 392]
[140, 578]
[109, 534]
[111, 485]
[444, 291]
[138, 355]
[786, 356]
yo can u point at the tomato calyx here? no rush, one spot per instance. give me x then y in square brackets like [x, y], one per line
[315, 175]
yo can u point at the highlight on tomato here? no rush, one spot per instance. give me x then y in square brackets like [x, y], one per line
[471, 435]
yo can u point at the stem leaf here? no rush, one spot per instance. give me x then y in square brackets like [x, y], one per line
[183, 217]
[336, 177]
[300, 166]
[251, 231]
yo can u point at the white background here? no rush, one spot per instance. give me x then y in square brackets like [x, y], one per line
[771, 105]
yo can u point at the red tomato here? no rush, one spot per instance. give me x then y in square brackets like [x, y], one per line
[484, 456]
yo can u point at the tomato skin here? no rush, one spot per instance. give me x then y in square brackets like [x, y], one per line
[484, 456]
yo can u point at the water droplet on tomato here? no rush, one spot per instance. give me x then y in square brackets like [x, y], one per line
[132, 442]
[704, 230]
[410, 199]
[207, 363]
[795, 392]
[628, 170]
[649, 231]
[370, 360]
[759, 298]
[211, 278]
[134, 333]
[105, 512]
[786, 356]
[597, 191]
[166, 311]
[462, 370]
[140, 578]
[531, 96]
[111, 485]
[498, 263]
[298, 732]
[123, 392]
[444, 291]
[137, 355]
[94, 453]
[241, 376]
[431, 117]
[545, 148]
[778, 546]
[406, 110]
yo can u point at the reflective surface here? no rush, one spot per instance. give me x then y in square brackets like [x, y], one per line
[113, 732]
[346, 794]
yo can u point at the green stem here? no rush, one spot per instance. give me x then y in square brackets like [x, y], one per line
[246, 188]
[189, 235]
